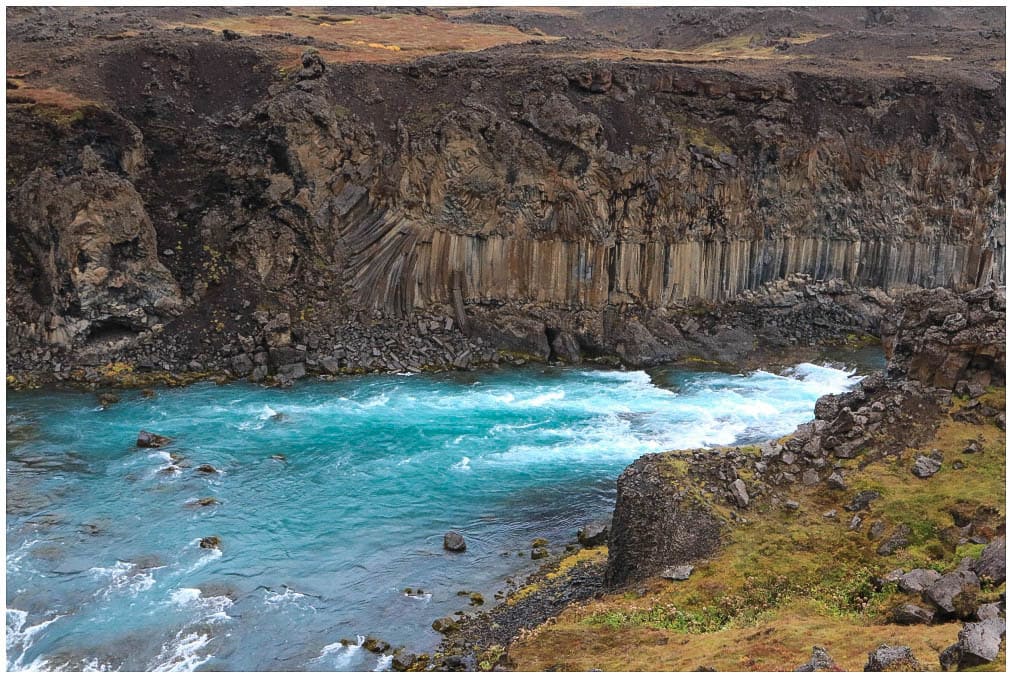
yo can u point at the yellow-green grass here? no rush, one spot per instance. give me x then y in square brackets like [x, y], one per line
[786, 580]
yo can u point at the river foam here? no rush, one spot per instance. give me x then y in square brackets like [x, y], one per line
[335, 541]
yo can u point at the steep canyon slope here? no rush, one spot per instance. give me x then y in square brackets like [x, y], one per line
[268, 192]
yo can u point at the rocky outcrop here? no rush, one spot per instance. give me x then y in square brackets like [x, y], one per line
[99, 278]
[659, 521]
[667, 506]
[942, 339]
[553, 208]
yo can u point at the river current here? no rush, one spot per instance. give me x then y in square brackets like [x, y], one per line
[332, 499]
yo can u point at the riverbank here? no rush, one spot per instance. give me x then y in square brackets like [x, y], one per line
[783, 324]
[816, 538]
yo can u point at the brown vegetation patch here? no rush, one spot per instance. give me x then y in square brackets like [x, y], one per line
[373, 38]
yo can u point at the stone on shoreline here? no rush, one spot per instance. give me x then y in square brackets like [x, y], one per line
[594, 534]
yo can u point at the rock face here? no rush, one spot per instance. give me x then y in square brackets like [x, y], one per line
[552, 207]
[941, 338]
[658, 521]
[99, 276]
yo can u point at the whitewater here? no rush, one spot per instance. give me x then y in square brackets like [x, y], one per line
[332, 500]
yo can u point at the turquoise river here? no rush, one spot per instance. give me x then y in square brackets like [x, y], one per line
[333, 497]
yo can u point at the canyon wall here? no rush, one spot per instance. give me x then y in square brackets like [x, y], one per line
[498, 195]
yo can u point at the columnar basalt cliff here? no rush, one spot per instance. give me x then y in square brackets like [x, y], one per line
[543, 199]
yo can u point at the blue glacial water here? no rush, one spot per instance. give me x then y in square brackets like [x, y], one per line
[104, 568]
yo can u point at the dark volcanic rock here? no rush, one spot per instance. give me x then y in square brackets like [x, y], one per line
[917, 581]
[657, 522]
[908, 613]
[930, 339]
[147, 439]
[594, 534]
[899, 538]
[861, 501]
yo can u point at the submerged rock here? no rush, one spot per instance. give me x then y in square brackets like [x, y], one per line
[203, 501]
[210, 542]
[454, 541]
[107, 399]
[148, 439]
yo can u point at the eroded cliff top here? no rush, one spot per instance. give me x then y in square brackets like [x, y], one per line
[60, 56]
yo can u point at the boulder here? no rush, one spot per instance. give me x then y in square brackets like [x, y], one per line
[917, 581]
[375, 645]
[152, 440]
[678, 572]
[954, 594]
[835, 481]
[210, 543]
[861, 500]
[107, 399]
[445, 625]
[892, 658]
[594, 534]
[454, 541]
[991, 564]
[740, 493]
[820, 661]
[989, 611]
[897, 540]
[979, 643]
[655, 524]
[908, 613]
[925, 467]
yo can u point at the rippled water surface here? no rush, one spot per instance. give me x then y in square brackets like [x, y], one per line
[104, 568]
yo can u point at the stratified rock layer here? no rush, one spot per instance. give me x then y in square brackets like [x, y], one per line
[427, 214]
